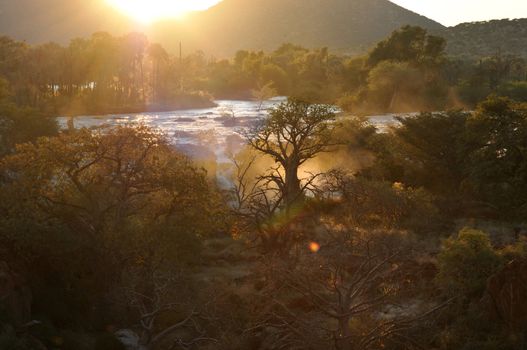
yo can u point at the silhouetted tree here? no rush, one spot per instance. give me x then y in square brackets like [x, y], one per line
[294, 132]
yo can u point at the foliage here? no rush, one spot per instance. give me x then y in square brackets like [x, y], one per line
[498, 132]
[404, 73]
[431, 145]
[374, 204]
[466, 262]
[293, 133]
[472, 330]
[101, 74]
[83, 203]
[19, 125]
[471, 162]
[480, 39]
[392, 84]
[410, 44]
[329, 292]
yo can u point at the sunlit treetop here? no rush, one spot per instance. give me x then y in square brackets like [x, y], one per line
[148, 11]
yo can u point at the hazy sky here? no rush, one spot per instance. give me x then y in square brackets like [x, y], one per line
[452, 12]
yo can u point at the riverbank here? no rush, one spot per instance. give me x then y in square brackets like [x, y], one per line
[85, 107]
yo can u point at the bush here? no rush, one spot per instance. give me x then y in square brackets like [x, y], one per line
[368, 203]
[466, 262]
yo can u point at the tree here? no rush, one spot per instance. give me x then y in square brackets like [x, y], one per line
[394, 86]
[433, 149]
[159, 57]
[294, 132]
[274, 77]
[410, 44]
[343, 291]
[371, 204]
[20, 125]
[497, 133]
[465, 264]
[158, 298]
[97, 182]
[86, 204]
[406, 68]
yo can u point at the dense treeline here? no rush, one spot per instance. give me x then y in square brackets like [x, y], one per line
[409, 71]
[103, 74]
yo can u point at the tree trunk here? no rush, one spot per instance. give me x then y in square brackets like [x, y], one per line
[292, 191]
[343, 341]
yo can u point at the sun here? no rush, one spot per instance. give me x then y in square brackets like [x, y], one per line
[148, 11]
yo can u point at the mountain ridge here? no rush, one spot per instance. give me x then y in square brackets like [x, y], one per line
[340, 24]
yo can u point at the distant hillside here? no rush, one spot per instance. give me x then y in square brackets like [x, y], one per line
[38, 21]
[487, 38]
[345, 25]
[351, 26]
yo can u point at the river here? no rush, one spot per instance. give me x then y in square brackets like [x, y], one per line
[202, 133]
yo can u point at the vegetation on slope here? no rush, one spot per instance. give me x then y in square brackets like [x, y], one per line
[481, 39]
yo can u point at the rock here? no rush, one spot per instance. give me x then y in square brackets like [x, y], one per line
[507, 294]
[15, 296]
[129, 339]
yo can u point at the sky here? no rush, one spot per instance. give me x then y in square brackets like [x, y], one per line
[452, 12]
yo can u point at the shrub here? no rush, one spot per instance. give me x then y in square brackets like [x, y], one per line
[466, 262]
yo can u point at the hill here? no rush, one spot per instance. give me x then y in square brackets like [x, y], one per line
[351, 26]
[346, 25]
[479, 39]
[39, 21]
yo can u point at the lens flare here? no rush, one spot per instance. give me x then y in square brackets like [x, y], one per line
[314, 247]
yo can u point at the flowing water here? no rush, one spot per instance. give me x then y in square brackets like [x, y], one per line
[208, 134]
